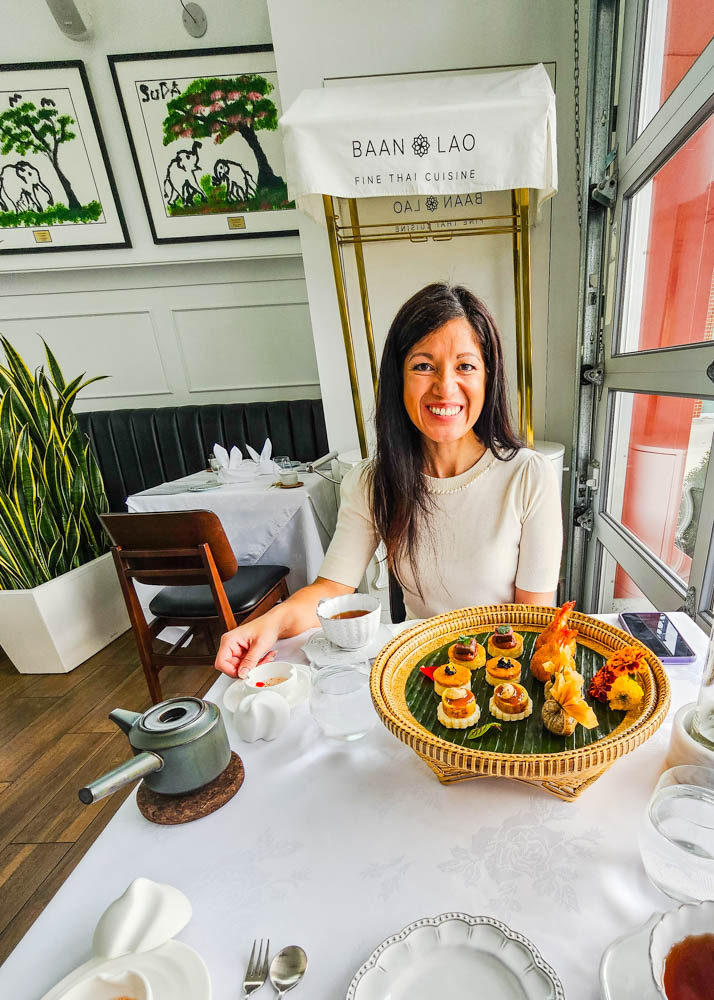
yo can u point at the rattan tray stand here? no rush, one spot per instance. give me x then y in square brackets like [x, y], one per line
[565, 774]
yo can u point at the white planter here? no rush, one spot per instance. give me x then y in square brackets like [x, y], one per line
[53, 628]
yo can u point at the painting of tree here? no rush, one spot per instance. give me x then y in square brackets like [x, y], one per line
[57, 191]
[25, 128]
[203, 130]
[216, 109]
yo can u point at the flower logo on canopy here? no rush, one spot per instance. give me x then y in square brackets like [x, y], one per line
[420, 145]
[431, 203]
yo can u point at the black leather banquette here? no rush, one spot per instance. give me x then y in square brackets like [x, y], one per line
[138, 449]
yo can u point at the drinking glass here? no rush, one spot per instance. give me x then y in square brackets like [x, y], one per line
[703, 721]
[340, 702]
[214, 465]
[677, 833]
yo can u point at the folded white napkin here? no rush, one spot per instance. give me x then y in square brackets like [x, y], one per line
[236, 469]
[266, 466]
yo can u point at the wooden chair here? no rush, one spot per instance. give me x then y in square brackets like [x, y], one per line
[187, 553]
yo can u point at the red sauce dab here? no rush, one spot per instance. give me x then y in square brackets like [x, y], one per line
[689, 969]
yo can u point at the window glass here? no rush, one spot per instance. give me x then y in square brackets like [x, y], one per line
[660, 453]
[618, 591]
[669, 292]
[676, 33]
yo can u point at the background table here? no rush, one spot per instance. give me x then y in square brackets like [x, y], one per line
[264, 524]
[336, 847]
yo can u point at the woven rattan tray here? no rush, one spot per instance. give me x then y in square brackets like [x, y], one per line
[564, 772]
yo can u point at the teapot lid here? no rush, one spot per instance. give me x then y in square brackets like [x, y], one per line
[176, 713]
[174, 722]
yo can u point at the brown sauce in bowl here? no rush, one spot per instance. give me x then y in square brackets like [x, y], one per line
[689, 969]
[348, 614]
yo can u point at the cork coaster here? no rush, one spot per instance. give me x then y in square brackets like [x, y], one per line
[172, 809]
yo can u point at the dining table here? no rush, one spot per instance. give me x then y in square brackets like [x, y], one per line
[337, 846]
[265, 524]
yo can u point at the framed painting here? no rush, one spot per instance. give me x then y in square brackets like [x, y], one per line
[57, 191]
[203, 130]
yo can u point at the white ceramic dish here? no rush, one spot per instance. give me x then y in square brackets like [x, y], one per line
[454, 956]
[350, 633]
[625, 967]
[234, 694]
[687, 920]
[134, 954]
[257, 678]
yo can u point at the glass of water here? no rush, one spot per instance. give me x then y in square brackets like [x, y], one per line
[340, 702]
[677, 833]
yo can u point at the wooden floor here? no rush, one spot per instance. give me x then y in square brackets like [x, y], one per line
[54, 738]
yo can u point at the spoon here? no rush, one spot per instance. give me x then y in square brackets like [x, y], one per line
[288, 968]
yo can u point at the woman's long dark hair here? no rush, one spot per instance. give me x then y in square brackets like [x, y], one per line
[400, 500]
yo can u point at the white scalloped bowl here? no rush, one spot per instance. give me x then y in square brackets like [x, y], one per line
[454, 956]
[350, 633]
[687, 920]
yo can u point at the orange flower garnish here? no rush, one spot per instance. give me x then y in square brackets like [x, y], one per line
[630, 660]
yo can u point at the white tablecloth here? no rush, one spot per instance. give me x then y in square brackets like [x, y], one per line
[337, 847]
[264, 524]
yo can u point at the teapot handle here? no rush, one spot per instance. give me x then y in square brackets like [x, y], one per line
[131, 770]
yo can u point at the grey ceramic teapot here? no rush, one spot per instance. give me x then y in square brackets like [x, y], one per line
[179, 745]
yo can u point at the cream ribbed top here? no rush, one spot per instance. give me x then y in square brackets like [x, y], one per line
[494, 527]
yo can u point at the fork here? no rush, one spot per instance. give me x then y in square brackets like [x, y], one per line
[257, 969]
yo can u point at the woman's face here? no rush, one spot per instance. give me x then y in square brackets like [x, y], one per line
[445, 382]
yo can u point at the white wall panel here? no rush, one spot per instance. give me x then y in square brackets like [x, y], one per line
[246, 347]
[197, 333]
[122, 345]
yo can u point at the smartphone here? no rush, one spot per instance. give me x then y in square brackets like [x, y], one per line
[657, 632]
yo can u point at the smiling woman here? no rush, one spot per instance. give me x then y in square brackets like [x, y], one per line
[466, 514]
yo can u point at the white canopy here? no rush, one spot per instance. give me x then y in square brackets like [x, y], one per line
[487, 131]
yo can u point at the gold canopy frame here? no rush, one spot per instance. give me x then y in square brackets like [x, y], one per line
[357, 235]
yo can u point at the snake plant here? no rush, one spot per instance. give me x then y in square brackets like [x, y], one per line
[51, 490]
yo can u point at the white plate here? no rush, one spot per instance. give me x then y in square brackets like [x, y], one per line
[234, 694]
[174, 972]
[625, 967]
[203, 487]
[454, 956]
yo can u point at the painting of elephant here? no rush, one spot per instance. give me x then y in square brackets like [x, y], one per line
[22, 189]
[238, 181]
[181, 179]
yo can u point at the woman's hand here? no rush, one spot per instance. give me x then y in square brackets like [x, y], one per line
[248, 645]
[245, 647]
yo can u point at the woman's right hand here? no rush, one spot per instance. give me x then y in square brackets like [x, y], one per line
[245, 647]
[248, 645]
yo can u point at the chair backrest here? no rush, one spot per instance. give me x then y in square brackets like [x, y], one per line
[166, 548]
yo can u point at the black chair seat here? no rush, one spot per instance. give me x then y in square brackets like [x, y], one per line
[244, 591]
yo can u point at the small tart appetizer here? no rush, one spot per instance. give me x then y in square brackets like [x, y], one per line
[505, 642]
[458, 708]
[468, 652]
[502, 668]
[510, 702]
[451, 675]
